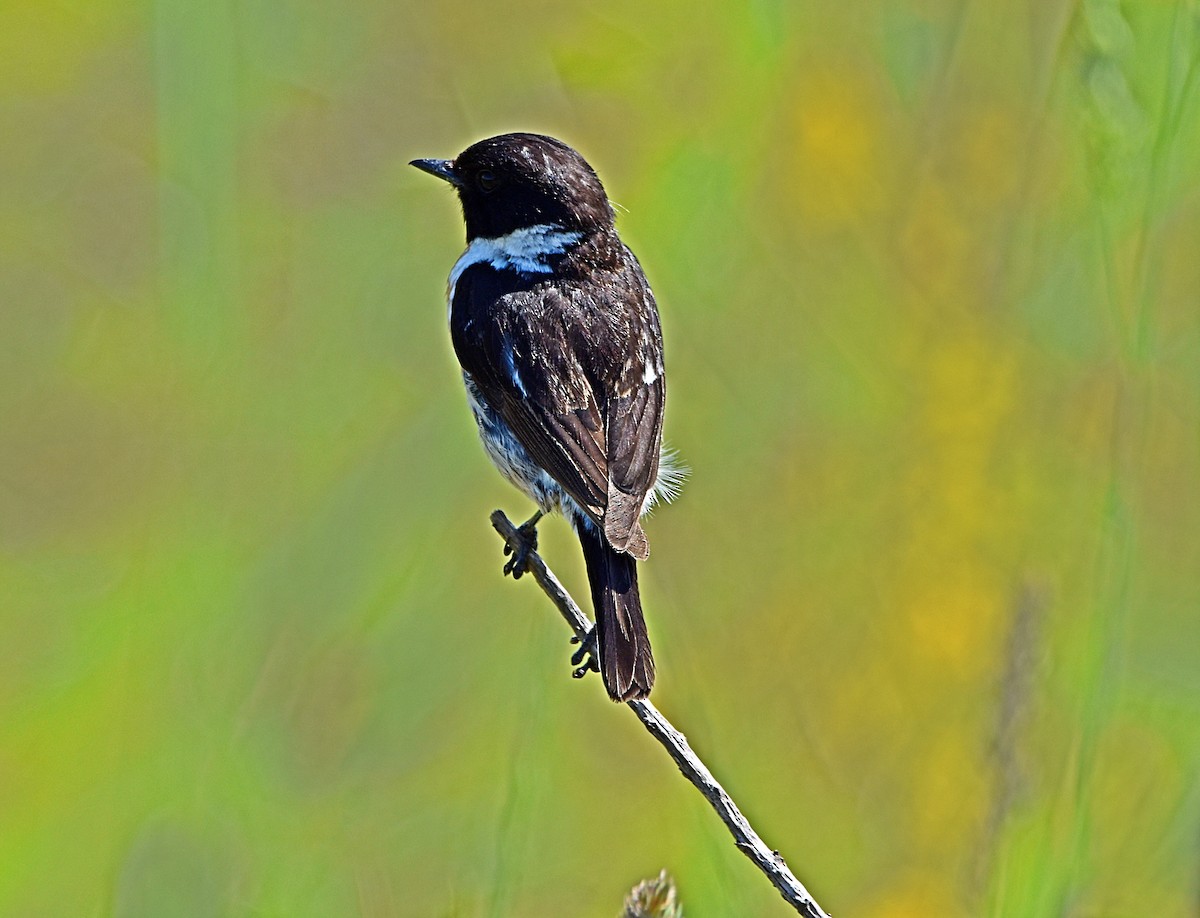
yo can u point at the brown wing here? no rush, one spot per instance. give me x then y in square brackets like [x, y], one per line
[635, 439]
[636, 393]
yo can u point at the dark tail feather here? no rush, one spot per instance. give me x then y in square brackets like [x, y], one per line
[625, 659]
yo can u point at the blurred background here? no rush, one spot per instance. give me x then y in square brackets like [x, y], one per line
[929, 604]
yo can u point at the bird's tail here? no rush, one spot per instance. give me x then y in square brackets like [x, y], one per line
[625, 659]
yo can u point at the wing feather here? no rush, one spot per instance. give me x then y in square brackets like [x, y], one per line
[567, 372]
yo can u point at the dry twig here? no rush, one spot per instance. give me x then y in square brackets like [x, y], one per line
[747, 840]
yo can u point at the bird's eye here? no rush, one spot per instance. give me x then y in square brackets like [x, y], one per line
[486, 181]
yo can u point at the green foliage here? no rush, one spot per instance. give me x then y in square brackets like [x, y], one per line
[927, 604]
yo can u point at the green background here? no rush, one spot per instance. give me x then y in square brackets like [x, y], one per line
[929, 605]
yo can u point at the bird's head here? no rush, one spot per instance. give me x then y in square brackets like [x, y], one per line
[515, 181]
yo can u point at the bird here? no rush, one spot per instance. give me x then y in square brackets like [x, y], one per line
[559, 339]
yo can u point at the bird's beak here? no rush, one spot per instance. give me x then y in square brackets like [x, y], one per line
[442, 168]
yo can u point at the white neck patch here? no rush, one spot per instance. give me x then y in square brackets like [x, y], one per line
[526, 250]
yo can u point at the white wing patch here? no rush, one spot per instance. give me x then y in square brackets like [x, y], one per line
[510, 364]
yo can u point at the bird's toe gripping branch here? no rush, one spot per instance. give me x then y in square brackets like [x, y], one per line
[521, 546]
[587, 658]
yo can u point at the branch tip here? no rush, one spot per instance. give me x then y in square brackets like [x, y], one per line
[769, 861]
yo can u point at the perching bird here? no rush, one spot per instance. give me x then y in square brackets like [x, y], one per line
[559, 340]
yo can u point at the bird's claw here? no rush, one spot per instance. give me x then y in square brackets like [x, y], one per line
[526, 544]
[586, 658]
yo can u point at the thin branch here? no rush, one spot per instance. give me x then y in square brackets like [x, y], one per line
[747, 840]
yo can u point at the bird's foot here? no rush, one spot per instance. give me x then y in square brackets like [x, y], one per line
[526, 543]
[587, 658]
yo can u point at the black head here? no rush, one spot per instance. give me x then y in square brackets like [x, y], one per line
[514, 181]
